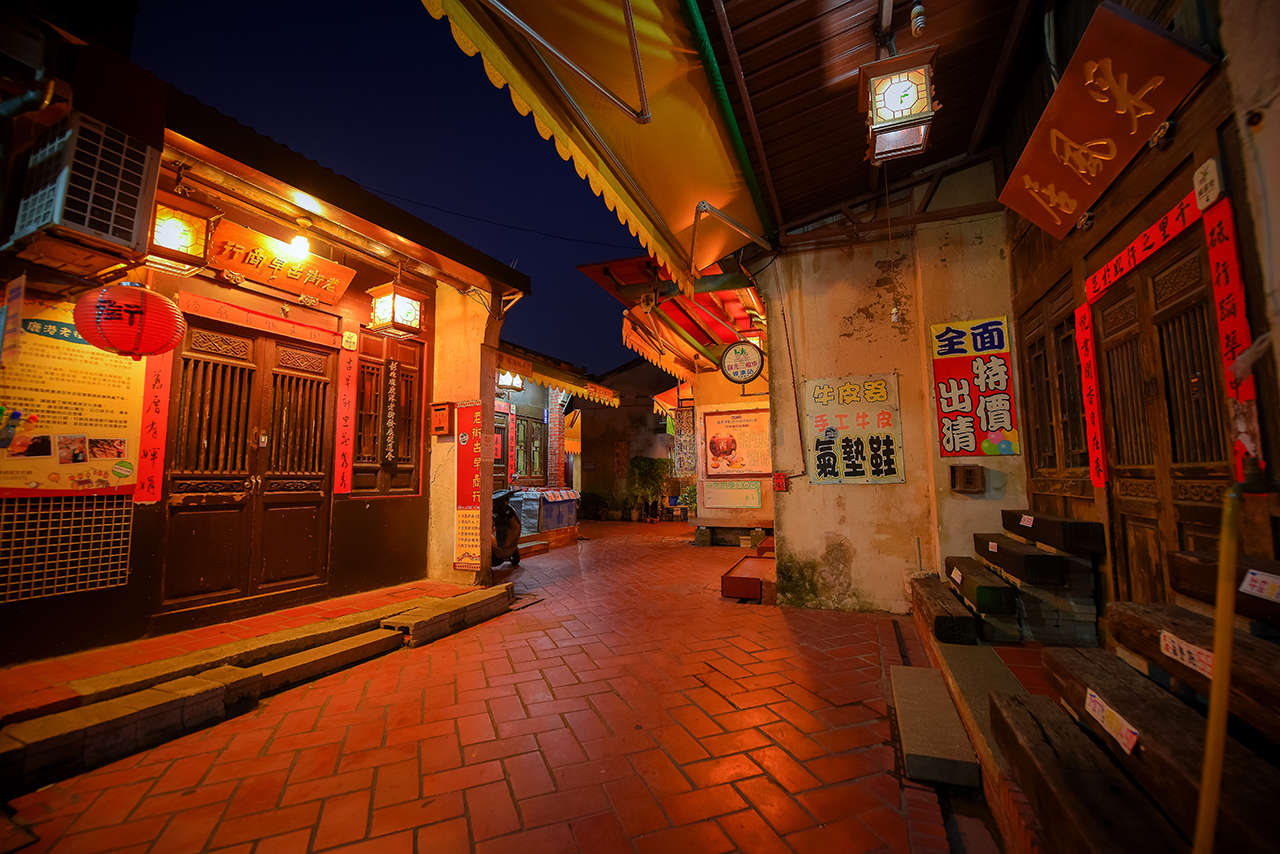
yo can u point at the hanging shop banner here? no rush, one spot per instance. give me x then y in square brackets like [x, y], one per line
[973, 378]
[853, 430]
[155, 428]
[10, 327]
[736, 443]
[88, 406]
[684, 452]
[1088, 353]
[1228, 295]
[1169, 226]
[242, 253]
[343, 456]
[1126, 77]
[468, 452]
[391, 412]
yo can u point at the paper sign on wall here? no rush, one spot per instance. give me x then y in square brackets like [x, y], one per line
[853, 429]
[736, 443]
[973, 382]
[468, 452]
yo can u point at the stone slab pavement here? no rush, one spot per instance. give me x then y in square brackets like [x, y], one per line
[631, 710]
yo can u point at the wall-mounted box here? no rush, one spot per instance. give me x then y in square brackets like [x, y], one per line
[442, 419]
[969, 479]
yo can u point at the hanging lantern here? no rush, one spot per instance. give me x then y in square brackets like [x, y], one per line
[395, 312]
[897, 96]
[181, 234]
[129, 320]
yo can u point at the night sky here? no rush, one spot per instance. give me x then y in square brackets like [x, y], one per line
[379, 92]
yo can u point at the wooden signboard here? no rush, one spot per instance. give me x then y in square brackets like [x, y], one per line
[1126, 77]
[242, 253]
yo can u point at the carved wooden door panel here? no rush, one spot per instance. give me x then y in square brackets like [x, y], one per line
[500, 451]
[248, 468]
[1166, 415]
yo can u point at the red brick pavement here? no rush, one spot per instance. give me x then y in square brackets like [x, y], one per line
[632, 710]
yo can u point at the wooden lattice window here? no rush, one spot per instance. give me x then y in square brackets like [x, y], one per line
[374, 470]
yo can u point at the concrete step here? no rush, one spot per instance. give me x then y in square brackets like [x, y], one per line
[432, 622]
[935, 747]
[304, 666]
[534, 547]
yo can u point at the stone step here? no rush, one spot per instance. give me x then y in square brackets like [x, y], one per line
[935, 747]
[1195, 574]
[1069, 535]
[946, 616]
[304, 666]
[534, 547]
[426, 624]
[1082, 801]
[1165, 759]
[1181, 643]
[985, 592]
[1025, 562]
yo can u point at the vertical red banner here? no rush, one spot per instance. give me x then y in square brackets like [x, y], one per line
[155, 427]
[1228, 295]
[469, 450]
[1092, 402]
[344, 441]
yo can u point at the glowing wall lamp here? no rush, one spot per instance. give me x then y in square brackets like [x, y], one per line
[181, 234]
[396, 313]
[898, 98]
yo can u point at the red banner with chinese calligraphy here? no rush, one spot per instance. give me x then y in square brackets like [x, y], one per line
[344, 435]
[228, 313]
[468, 451]
[1228, 295]
[155, 426]
[1087, 350]
[242, 253]
[973, 378]
[1125, 78]
[1169, 226]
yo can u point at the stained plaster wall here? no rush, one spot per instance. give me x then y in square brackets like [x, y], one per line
[466, 339]
[713, 393]
[964, 274]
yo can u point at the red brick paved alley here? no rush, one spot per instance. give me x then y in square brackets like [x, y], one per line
[632, 709]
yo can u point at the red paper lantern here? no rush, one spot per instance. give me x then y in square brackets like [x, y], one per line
[129, 320]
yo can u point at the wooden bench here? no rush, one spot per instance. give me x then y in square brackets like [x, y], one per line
[1069, 535]
[981, 588]
[944, 614]
[1081, 799]
[1166, 759]
[1195, 574]
[1255, 664]
[1027, 563]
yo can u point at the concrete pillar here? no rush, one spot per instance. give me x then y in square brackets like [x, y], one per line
[465, 356]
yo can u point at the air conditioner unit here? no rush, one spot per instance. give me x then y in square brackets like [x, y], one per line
[90, 183]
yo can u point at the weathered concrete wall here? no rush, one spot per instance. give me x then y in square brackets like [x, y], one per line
[465, 355]
[965, 274]
[713, 393]
[849, 547]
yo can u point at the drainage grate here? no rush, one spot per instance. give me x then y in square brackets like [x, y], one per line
[63, 544]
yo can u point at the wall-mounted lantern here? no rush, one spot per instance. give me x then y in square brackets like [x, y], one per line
[181, 234]
[396, 312]
[897, 95]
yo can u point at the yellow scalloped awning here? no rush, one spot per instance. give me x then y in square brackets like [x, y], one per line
[653, 175]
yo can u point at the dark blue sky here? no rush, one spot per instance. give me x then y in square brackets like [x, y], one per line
[379, 92]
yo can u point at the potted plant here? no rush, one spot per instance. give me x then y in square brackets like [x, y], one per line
[645, 481]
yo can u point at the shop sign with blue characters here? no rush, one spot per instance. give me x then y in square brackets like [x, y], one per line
[973, 381]
[853, 429]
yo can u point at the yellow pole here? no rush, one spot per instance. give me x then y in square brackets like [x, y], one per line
[1215, 739]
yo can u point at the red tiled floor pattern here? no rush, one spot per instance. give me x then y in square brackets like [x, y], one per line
[1024, 662]
[631, 710]
[32, 684]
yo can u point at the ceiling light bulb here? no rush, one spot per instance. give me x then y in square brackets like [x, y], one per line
[300, 247]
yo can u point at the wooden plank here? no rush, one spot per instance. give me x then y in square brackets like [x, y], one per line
[1166, 759]
[947, 617]
[1027, 563]
[1069, 535]
[1083, 801]
[1255, 666]
[981, 588]
[1195, 574]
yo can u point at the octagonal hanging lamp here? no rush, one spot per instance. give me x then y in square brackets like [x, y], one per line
[897, 95]
[397, 312]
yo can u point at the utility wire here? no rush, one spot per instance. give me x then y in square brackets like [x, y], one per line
[494, 222]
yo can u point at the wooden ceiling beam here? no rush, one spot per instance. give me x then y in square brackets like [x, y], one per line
[1021, 15]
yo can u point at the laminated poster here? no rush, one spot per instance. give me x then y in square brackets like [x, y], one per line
[853, 430]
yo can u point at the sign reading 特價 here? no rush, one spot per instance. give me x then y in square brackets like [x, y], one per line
[973, 380]
[853, 430]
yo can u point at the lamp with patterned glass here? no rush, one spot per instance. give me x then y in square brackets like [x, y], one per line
[898, 99]
[181, 234]
[396, 312]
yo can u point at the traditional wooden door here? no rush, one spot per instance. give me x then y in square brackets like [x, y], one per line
[499, 451]
[1167, 425]
[248, 474]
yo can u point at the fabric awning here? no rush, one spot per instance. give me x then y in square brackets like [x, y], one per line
[556, 378]
[573, 432]
[672, 399]
[653, 174]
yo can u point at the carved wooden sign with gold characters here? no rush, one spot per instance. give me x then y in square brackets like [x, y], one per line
[1126, 77]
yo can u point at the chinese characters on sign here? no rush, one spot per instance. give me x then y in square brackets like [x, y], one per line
[344, 438]
[468, 450]
[228, 313]
[1143, 247]
[683, 453]
[1117, 727]
[736, 443]
[241, 253]
[1087, 351]
[853, 430]
[973, 379]
[1125, 78]
[155, 427]
[742, 362]
[88, 405]
[1264, 585]
[1228, 295]
[1195, 657]
[391, 413]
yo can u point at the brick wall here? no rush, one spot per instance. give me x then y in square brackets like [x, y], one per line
[555, 438]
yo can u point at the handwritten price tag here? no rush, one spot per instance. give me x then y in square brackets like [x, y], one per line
[1027, 521]
[993, 547]
[956, 576]
[1115, 726]
[1264, 585]
[1197, 658]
